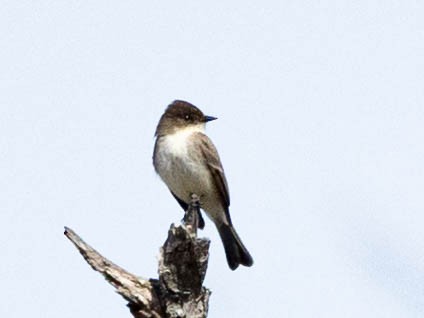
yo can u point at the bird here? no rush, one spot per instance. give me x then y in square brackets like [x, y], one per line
[188, 163]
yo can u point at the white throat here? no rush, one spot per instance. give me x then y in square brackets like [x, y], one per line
[176, 143]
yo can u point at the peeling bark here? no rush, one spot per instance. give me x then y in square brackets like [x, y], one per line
[178, 292]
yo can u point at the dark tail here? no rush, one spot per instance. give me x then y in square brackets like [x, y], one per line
[236, 253]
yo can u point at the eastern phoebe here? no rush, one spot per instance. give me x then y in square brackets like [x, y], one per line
[188, 163]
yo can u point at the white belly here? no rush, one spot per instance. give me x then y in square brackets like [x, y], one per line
[183, 170]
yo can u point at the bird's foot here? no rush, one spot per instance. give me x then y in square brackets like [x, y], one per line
[192, 217]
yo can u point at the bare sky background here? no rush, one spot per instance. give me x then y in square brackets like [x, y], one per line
[320, 130]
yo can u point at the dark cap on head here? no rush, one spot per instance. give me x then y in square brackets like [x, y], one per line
[178, 115]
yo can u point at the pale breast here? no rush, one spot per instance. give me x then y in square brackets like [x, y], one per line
[181, 166]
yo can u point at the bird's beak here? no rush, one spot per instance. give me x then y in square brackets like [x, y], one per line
[209, 118]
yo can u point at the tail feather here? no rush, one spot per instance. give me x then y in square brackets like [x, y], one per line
[236, 252]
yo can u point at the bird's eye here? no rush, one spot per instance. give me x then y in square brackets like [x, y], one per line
[187, 117]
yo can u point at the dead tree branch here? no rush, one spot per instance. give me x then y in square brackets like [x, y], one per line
[183, 263]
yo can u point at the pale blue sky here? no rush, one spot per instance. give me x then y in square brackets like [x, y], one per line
[320, 130]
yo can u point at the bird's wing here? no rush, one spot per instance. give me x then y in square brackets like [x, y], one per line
[211, 157]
